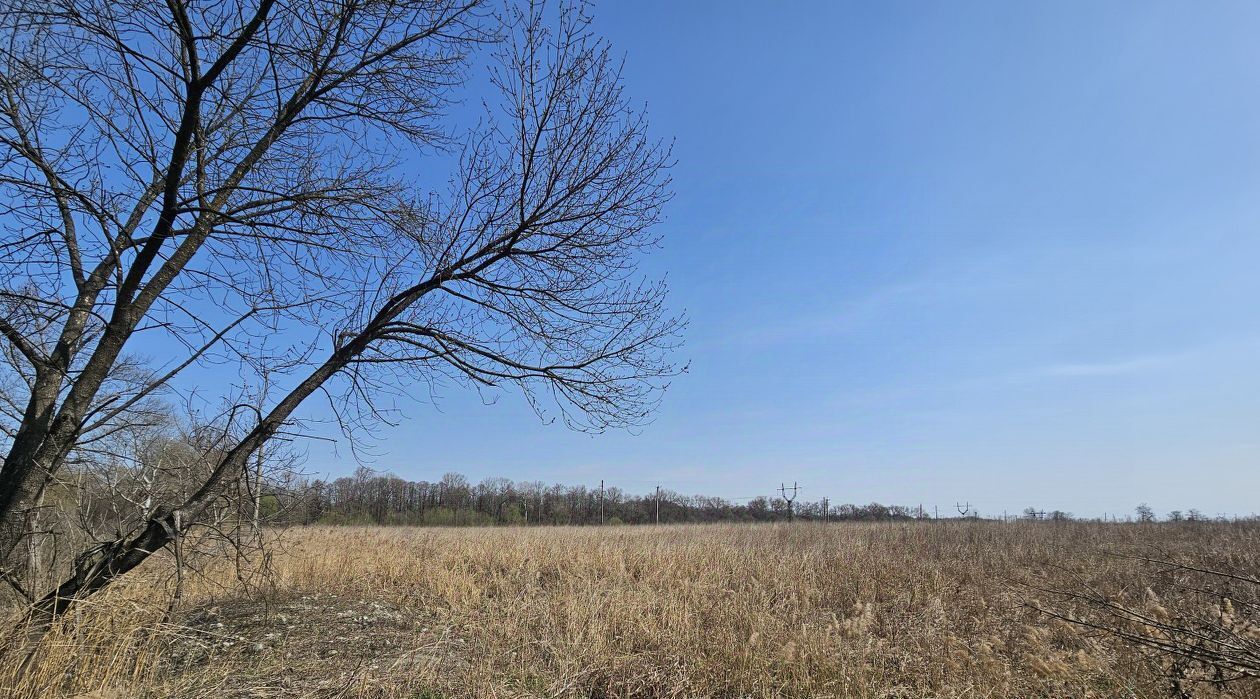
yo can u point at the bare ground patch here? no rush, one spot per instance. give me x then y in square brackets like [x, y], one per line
[307, 645]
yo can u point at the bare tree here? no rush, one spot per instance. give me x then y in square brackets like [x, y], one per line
[212, 176]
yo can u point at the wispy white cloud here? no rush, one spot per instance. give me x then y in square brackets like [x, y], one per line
[1132, 365]
[847, 316]
[1141, 363]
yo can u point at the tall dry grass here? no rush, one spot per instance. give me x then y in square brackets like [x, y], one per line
[805, 610]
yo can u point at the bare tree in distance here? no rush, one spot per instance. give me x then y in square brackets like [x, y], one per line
[213, 176]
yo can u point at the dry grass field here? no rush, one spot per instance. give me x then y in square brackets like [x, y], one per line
[936, 609]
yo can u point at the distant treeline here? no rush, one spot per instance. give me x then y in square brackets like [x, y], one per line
[368, 497]
[371, 498]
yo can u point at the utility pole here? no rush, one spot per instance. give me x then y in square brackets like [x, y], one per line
[963, 508]
[658, 504]
[601, 501]
[783, 491]
[824, 509]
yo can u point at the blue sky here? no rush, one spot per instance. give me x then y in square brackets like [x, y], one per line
[987, 251]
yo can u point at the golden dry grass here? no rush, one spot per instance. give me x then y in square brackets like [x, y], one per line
[806, 610]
